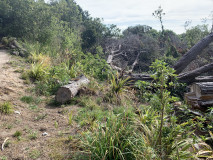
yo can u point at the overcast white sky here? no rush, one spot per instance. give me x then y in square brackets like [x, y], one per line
[126, 13]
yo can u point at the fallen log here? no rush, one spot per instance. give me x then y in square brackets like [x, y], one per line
[17, 49]
[67, 92]
[15, 44]
[142, 77]
[205, 104]
[193, 53]
[189, 77]
[204, 79]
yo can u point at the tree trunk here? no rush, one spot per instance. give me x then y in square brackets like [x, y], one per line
[204, 79]
[142, 77]
[67, 92]
[192, 53]
[189, 77]
[16, 44]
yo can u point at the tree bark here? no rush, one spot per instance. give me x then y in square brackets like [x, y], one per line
[67, 92]
[142, 77]
[204, 79]
[189, 77]
[203, 89]
[192, 53]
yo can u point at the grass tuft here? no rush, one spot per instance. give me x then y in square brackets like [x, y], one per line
[6, 108]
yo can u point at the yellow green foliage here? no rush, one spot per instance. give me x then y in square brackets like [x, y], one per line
[6, 108]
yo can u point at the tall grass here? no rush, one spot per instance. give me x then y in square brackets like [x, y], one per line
[110, 140]
[129, 136]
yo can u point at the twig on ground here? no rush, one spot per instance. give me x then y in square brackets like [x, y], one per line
[2, 146]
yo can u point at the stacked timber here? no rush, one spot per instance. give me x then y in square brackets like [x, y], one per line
[200, 95]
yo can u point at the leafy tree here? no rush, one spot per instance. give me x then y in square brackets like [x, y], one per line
[194, 34]
[139, 30]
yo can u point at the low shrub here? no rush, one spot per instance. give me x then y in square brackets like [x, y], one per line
[17, 134]
[27, 99]
[5, 41]
[118, 85]
[38, 72]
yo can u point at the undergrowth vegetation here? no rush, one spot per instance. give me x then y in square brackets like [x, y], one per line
[138, 132]
[118, 122]
[50, 73]
[114, 123]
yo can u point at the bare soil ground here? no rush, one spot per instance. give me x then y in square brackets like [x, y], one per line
[35, 118]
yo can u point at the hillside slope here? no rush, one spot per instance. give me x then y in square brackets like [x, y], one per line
[36, 117]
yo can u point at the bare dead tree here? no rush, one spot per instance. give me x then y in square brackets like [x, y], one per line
[121, 53]
[130, 53]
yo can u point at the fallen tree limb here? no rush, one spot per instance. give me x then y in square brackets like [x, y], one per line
[2, 146]
[192, 53]
[141, 77]
[67, 92]
[204, 79]
[189, 77]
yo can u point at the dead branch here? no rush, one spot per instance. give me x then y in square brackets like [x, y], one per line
[2, 146]
[189, 77]
[134, 64]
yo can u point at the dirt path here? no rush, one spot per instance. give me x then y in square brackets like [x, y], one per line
[10, 84]
[36, 117]
[4, 58]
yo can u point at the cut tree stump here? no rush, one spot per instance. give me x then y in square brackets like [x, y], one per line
[201, 95]
[203, 89]
[67, 92]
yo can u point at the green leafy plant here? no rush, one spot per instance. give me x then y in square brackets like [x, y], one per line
[162, 75]
[94, 66]
[117, 87]
[118, 84]
[3, 158]
[17, 134]
[37, 72]
[144, 90]
[27, 99]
